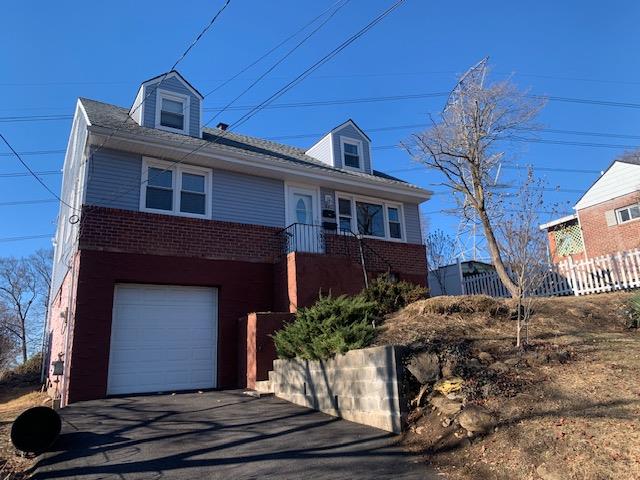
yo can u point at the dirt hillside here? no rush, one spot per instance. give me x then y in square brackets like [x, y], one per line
[567, 407]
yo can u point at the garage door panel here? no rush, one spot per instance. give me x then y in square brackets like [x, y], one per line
[163, 338]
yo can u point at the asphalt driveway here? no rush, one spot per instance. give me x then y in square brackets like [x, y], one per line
[218, 435]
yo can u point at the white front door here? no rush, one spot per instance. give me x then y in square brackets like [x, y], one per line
[305, 233]
[163, 338]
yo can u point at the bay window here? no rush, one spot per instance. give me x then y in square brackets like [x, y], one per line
[177, 189]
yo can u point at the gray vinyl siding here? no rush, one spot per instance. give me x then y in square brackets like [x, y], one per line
[412, 223]
[113, 180]
[171, 84]
[351, 132]
[249, 199]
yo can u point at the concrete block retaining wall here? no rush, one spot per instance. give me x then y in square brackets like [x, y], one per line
[360, 386]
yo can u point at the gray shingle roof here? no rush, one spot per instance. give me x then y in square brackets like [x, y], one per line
[111, 116]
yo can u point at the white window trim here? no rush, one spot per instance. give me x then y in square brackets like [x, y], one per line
[385, 204]
[176, 97]
[356, 142]
[176, 185]
[619, 216]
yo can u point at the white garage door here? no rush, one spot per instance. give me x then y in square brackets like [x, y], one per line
[163, 338]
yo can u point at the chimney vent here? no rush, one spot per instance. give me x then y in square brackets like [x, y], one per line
[222, 126]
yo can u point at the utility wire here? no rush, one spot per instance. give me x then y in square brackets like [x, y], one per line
[33, 174]
[271, 50]
[26, 174]
[28, 237]
[164, 76]
[27, 202]
[283, 58]
[274, 96]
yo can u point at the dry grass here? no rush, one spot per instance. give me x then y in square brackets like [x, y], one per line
[575, 420]
[13, 401]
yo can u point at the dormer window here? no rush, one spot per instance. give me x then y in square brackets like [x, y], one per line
[172, 112]
[351, 153]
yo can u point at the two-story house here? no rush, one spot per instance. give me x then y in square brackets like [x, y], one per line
[171, 232]
[606, 219]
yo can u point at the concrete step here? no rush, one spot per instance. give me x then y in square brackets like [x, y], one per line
[264, 386]
[256, 394]
[272, 376]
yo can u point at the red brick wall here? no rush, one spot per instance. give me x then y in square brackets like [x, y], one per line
[601, 239]
[140, 232]
[258, 345]
[60, 322]
[243, 287]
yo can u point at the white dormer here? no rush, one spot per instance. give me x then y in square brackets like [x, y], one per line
[346, 147]
[169, 103]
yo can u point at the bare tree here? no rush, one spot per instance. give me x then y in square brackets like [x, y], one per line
[440, 253]
[7, 345]
[523, 246]
[20, 293]
[467, 145]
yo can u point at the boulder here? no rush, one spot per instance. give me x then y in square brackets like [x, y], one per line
[425, 367]
[512, 362]
[446, 406]
[449, 368]
[476, 419]
[485, 357]
[473, 364]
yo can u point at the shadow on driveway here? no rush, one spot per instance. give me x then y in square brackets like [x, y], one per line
[218, 435]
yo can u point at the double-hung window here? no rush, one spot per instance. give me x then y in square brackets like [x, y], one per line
[344, 212]
[395, 227]
[172, 112]
[177, 189]
[351, 153]
[629, 213]
[370, 218]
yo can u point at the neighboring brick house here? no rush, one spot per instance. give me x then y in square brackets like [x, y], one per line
[163, 253]
[607, 218]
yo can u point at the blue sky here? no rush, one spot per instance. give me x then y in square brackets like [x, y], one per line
[58, 51]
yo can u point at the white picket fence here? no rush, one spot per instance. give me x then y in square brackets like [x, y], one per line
[619, 271]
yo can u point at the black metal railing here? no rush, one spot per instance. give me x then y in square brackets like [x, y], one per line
[310, 238]
[302, 237]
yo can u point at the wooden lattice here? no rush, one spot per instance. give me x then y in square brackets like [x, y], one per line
[568, 240]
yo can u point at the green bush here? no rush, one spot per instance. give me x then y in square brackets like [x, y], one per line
[328, 327]
[390, 296]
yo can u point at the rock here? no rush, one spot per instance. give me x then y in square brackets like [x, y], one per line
[512, 362]
[499, 367]
[449, 368]
[425, 367]
[420, 430]
[485, 357]
[473, 364]
[476, 419]
[446, 422]
[558, 356]
[446, 406]
[448, 385]
[546, 473]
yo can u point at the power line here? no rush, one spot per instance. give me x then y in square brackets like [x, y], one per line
[27, 202]
[164, 76]
[270, 51]
[34, 152]
[28, 237]
[341, 3]
[278, 93]
[27, 174]
[40, 181]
